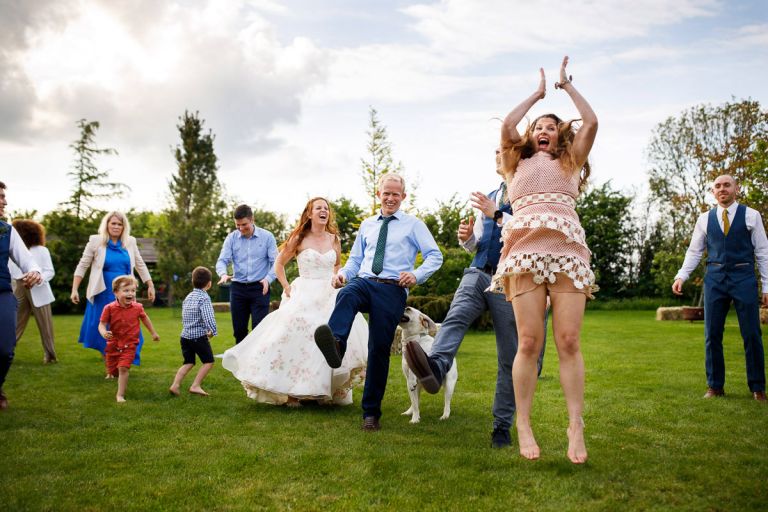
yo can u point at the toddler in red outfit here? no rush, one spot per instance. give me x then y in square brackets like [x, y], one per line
[120, 327]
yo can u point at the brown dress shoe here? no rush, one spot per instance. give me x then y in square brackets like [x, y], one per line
[759, 396]
[371, 424]
[4, 401]
[714, 392]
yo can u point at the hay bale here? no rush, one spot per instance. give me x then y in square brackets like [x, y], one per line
[221, 307]
[675, 313]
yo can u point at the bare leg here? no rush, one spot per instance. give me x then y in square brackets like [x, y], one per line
[529, 312]
[195, 387]
[122, 383]
[568, 313]
[183, 371]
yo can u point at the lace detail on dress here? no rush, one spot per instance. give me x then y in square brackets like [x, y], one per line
[544, 197]
[573, 231]
[544, 267]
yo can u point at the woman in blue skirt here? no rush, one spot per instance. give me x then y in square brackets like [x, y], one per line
[111, 253]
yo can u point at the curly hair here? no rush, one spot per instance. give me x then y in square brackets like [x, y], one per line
[526, 147]
[31, 232]
[305, 223]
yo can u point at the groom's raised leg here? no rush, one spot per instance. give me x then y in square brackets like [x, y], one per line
[328, 345]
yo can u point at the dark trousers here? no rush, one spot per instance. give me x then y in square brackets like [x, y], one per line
[8, 305]
[385, 304]
[247, 301]
[717, 302]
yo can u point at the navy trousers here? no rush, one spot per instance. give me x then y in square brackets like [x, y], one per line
[246, 301]
[8, 305]
[385, 304]
[717, 302]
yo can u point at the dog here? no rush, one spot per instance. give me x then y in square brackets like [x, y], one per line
[416, 326]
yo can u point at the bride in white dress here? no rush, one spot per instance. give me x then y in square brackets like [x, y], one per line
[278, 362]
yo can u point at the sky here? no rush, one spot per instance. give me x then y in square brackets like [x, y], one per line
[286, 87]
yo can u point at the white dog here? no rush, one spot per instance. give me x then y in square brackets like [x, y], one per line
[416, 327]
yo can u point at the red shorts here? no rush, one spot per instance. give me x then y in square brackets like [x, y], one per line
[119, 355]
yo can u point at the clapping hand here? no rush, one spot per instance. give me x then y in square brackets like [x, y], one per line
[542, 90]
[483, 203]
[466, 229]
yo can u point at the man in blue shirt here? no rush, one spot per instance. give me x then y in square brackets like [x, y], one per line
[378, 272]
[252, 252]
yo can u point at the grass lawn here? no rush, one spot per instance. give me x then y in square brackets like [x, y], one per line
[654, 443]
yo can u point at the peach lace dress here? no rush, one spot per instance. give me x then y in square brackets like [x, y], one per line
[544, 238]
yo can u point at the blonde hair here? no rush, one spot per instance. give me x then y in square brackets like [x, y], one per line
[512, 153]
[126, 227]
[393, 176]
[121, 281]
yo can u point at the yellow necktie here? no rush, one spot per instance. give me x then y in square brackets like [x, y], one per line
[726, 224]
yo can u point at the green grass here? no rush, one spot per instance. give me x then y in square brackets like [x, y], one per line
[654, 443]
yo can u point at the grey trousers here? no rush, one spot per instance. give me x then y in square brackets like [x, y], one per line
[469, 302]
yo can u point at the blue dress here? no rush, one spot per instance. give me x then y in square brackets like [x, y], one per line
[117, 262]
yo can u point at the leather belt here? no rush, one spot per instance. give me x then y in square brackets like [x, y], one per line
[393, 282]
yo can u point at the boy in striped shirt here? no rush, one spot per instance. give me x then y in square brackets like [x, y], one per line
[198, 326]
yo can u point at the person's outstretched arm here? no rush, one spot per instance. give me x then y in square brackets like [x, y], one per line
[509, 133]
[585, 137]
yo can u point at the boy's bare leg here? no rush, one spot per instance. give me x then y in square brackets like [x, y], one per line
[195, 387]
[122, 384]
[183, 371]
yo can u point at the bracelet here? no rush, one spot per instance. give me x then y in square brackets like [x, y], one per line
[561, 85]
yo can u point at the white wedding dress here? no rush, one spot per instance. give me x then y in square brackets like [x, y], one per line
[279, 359]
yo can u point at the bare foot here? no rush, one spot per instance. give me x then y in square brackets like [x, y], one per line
[528, 447]
[198, 391]
[577, 450]
[174, 390]
[120, 399]
[109, 376]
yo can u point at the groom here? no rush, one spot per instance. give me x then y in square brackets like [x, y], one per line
[379, 270]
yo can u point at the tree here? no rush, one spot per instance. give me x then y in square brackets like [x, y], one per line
[687, 152]
[379, 158]
[606, 217]
[443, 223]
[348, 218]
[66, 236]
[197, 218]
[754, 186]
[89, 180]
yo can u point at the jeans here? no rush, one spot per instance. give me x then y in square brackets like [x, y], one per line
[469, 302]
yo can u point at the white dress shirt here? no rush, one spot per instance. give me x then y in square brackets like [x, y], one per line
[699, 241]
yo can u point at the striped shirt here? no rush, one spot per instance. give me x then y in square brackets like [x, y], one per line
[197, 315]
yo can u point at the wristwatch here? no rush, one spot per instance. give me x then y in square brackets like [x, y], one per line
[497, 215]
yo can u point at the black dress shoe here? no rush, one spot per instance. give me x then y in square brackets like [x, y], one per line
[421, 366]
[500, 438]
[328, 345]
[370, 424]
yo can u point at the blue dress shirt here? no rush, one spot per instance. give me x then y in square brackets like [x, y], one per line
[406, 236]
[253, 258]
[197, 317]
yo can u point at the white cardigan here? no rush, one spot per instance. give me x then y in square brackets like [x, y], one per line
[41, 293]
[93, 256]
